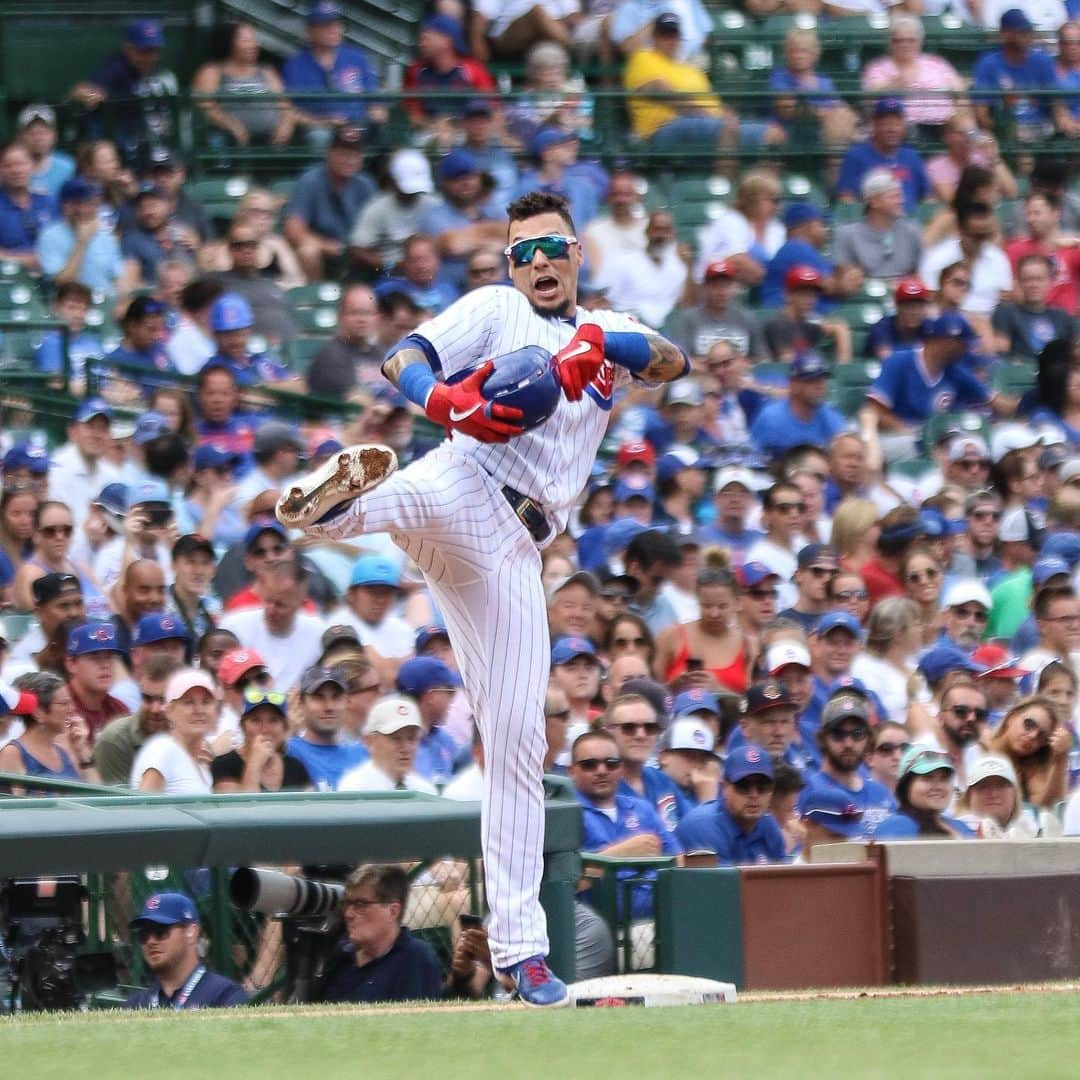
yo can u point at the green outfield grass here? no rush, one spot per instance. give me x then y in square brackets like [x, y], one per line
[1012, 1035]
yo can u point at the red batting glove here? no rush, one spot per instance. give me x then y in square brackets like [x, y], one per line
[463, 408]
[577, 363]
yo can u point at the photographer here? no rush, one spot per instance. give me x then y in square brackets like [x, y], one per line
[167, 930]
[381, 960]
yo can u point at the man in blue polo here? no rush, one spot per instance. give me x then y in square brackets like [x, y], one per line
[23, 213]
[885, 150]
[803, 417]
[738, 826]
[769, 721]
[329, 64]
[167, 931]
[432, 685]
[232, 321]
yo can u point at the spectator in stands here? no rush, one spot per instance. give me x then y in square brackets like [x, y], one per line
[80, 468]
[152, 237]
[555, 152]
[888, 742]
[734, 498]
[18, 505]
[139, 87]
[167, 930]
[806, 237]
[925, 787]
[327, 63]
[884, 244]
[718, 320]
[817, 565]
[965, 147]
[353, 358]
[326, 203]
[219, 423]
[550, 96]
[1042, 216]
[232, 322]
[795, 330]
[1025, 326]
[908, 70]
[380, 961]
[633, 22]
[993, 804]
[24, 213]
[904, 329]
[265, 546]
[506, 28]
[481, 139]
[419, 276]
[280, 630]
[274, 256]
[71, 306]
[688, 759]
[391, 217]
[738, 826]
[52, 535]
[370, 602]
[54, 741]
[1067, 64]
[392, 734]
[696, 119]
[571, 604]
[885, 149]
[98, 163]
[650, 558]
[651, 283]
[620, 228]
[443, 65]
[240, 91]
[276, 452]
[432, 684]
[486, 266]
[1017, 66]
[748, 234]
[143, 327]
[239, 670]
[961, 723]
[835, 120]
[190, 597]
[802, 416]
[318, 743]
[79, 247]
[49, 167]
[58, 605]
[465, 219]
[261, 762]
[190, 344]
[782, 507]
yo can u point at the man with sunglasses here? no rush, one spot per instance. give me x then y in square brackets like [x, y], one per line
[782, 509]
[983, 511]
[733, 488]
[844, 737]
[1057, 617]
[961, 722]
[167, 930]
[817, 565]
[965, 608]
[738, 826]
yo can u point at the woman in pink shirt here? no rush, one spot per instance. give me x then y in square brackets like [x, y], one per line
[907, 68]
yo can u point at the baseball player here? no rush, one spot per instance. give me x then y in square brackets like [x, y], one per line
[473, 514]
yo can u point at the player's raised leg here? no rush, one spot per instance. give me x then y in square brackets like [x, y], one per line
[341, 479]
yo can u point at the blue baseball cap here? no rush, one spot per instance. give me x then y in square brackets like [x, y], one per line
[159, 626]
[619, 533]
[150, 426]
[1063, 545]
[375, 570]
[548, 137]
[634, 489]
[932, 523]
[747, 760]
[800, 213]
[152, 491]
[1015, 19]
[1047, 567]
[951, 325]
[833, 619]
[937, 662]
[832, 808]
[326, 448]
[456, 164]
[213, 457]
[262, 525]
[450, 27]
[144, 34]
[165, 909]
[769, 694]
[569, 646]
[325, 11]
[92, 407]
[426, 635]
[808, 365]
[697, 700]
[78, 190]
[889, 106]
[113, 498]
[93, 637]
[423, 673]
[753, 573]
[231, 312]
[26, 456]
[391, 395]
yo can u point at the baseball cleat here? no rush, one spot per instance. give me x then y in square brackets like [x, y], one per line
[346, 475]
[535, 983]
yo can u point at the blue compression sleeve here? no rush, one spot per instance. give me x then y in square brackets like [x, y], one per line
[629, 349]
[416, 383]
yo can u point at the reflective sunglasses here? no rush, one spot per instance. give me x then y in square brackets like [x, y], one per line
[962, 712]
[1032, 725]
[753, 786]
[155, 933]
[254, 696]
[591, 764]
[853, 734]
[522, 252]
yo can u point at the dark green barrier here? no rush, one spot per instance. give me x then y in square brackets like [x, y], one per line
[699, 921]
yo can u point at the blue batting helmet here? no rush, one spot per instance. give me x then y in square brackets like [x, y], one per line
[523, 379]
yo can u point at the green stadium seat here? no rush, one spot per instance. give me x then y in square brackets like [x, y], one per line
[856, 372]
[849, 399]
[940, 424]
[316, 320]
[912, 468]
[1014, 378]
[220, 196]
[703, 189]
[301, 352]
[309, 296]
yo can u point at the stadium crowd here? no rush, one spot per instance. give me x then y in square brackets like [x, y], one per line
[781, 616]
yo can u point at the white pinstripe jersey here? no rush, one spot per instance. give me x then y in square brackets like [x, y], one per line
[551, 463]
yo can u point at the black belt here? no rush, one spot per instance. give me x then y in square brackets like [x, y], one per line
[529, 514]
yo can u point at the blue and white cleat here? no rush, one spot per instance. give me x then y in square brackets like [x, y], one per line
[535, 983]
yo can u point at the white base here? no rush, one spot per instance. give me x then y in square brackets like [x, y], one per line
[650, 990]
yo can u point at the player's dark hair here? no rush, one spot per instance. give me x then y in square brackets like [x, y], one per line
[534, 203]
[389, 883]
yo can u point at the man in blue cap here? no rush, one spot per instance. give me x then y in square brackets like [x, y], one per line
[885, 149]
[28, 464]
[738, 827]
[232, 322]
[80, 467]
[325, 203]
[143, 326]
[140, 86]
[555, 151]
[328, 63]
[803, 417]
[370, 607]
[807, 234]
[1015, 65]
[92, 651]
[769, 720]
[432, 685]
[319, 743]
[167, 931]
[442, 66]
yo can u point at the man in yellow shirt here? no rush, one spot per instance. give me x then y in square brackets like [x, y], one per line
[700, 117]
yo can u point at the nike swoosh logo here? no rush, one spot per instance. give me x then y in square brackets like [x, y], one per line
[457, 417]
[580, 348]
